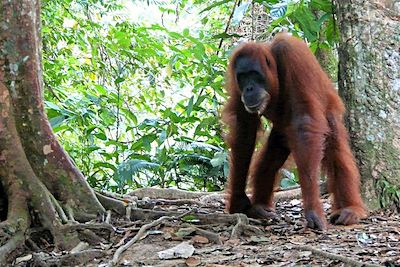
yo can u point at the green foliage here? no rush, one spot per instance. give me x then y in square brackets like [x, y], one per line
[134, 105]
[137, 103]
[312, 20]
[390, 194]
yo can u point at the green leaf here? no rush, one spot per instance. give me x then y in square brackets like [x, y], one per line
[100, 89]
[119, 80]
[105, 165]
[219, 159]
[163, 137]
[324, 5]
[131, 167]
[332, 34]
[56, 122]
[51, 105]
[225, 35]
[189, 107]
[307, 21]
[190, 219]
[101, 136]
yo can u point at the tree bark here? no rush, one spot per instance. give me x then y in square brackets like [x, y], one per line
[369, 83]
[42, 185]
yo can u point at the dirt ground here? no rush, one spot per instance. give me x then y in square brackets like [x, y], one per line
[237, 241]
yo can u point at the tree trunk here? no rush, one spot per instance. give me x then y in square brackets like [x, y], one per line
[41, 184]
[369, 83]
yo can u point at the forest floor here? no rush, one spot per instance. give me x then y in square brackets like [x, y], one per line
[208, 237]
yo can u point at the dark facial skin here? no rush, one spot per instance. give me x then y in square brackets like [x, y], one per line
[252, 84]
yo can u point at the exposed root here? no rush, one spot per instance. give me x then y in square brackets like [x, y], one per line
[128, 233]
[113, 204]
[108, 217]
[90, 237]
[33, 245]
[71, 259]
[333, 256]
[242, 226]
[128, 211]
[70, 213]
[80, 247]
[140, 234]
[90, 226]
[12, 244]
[112, 195]
[59, 209]
[143, 214]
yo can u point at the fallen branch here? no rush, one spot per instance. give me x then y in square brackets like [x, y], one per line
[166, 193]
[169, 195]
[140, 234]
[332, 256]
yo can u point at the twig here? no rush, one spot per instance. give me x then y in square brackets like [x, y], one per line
[108, 217]
[141, 232]
[177, 202]
[122, 241]
[227, 26]
[243, 225]
[332, 256]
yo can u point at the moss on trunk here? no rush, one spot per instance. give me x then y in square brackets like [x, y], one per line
[41, 184]
[369, 82]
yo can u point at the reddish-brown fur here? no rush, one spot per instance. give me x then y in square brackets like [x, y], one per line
[306, 113]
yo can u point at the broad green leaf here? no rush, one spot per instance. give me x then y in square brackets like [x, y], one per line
[56, 122]
[189, 107]
[324, 5]
[101, 136]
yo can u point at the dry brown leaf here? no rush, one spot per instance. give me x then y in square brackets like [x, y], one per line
[193, 261]
[200, 239]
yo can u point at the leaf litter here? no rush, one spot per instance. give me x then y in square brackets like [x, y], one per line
[208, 237]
